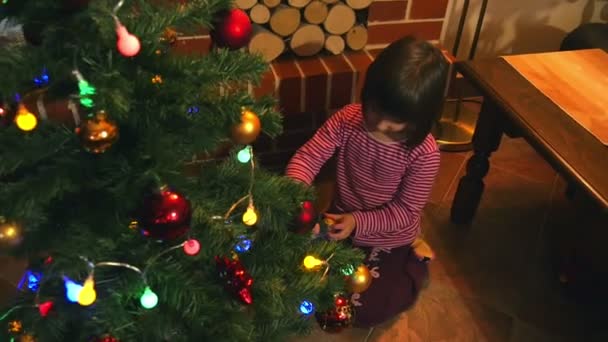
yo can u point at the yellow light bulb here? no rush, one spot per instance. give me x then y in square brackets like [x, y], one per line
[310, 262]
[250, 217]
[87, 295]
[25, 120]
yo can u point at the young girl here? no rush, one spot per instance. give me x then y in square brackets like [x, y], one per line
[387, 162]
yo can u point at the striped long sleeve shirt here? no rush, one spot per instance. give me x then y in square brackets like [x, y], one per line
[383, 185]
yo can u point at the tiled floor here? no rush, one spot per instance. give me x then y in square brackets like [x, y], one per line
[494, 280]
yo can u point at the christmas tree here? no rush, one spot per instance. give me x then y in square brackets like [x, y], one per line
[123, 243]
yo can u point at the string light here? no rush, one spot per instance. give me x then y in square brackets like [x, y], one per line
[127, 44]
[87, 295]
[44, 308]
[306, 307]
[85, 90]
[43, 79]
[244, 155]
[243, 245]
[148, 299]
[348, 270]
[25, 120]
[250, 217]
[192, 111]
[311, 263]
[72, 289]
[192, 247]
[31, 280]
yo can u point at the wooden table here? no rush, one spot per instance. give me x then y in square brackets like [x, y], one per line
[514, 106]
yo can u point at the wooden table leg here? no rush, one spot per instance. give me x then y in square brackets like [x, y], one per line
[486, 139]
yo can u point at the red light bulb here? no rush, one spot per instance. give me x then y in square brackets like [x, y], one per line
[307, 205]
[192, 247]
[44, 308]
[306, 217]
[128, 45]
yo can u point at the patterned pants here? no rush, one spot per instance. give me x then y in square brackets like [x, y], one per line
[397, 276]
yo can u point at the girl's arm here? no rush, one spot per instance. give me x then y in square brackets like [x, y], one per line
[406, 207]
[309, 159]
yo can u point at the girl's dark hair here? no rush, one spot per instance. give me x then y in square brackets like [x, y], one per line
[405, 83]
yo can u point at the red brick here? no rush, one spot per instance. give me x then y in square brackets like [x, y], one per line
[388, 33]
[193, 46]
[387, 10]
[267, 84]
[341, 75]
[316, 84]
[428, 9]
[360, 61]
[290, 85]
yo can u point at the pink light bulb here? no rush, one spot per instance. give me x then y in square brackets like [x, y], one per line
[128, 45]
[192, 247]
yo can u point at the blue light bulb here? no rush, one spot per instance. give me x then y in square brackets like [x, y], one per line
[72, 290]
[307, 307]
[243, 245]
[31, 280]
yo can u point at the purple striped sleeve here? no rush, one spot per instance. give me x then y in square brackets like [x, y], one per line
[308, 160]
[406, 206]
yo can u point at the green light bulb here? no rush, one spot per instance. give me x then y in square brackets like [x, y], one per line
[149, 299]
[244, 155]
[348, 270]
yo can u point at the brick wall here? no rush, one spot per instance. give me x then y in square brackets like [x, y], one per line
[310, 88]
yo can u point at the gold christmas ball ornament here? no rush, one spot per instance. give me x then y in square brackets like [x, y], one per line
[10, 232]
[26, 338]
[360, 280]
[157, 79]
[98, 134]
[15, 327]
[248, 129]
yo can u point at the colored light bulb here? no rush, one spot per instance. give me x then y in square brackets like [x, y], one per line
[348, 270]
[87, 295]
[192, 247]
[310, 262]
[31, 280]
[44, 308]
[243, 245]
[72, 290]
[250, 217]
[25, 120]
[244, 155]
[148, 299]
[128, 45]
[306, 307]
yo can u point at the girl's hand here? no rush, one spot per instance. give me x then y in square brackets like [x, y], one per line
[343, 227]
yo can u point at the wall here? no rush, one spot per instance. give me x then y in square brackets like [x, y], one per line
[520, 26]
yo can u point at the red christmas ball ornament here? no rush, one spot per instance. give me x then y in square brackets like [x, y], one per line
[336, 318]
[164, 215]
[234, 29]
[235, 277]
[307, 217]
[128, 44]
[105, 338]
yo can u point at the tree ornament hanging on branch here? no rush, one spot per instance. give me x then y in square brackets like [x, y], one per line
[236, 280]
[105, 338]
[164, 215]
[11, 233]
[246, 131]
[360, 280]
[98, 134]
[336, 318]
[233, 30]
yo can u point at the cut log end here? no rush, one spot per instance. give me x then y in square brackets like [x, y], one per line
[340, 19]
[315, 12]
[308, 40]
[285, 20]
[298, 3]
[259, 14]
[245, 4]
[334, 44]
[358, 4]
[271, 3]
[356, 38]
[266, 43]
